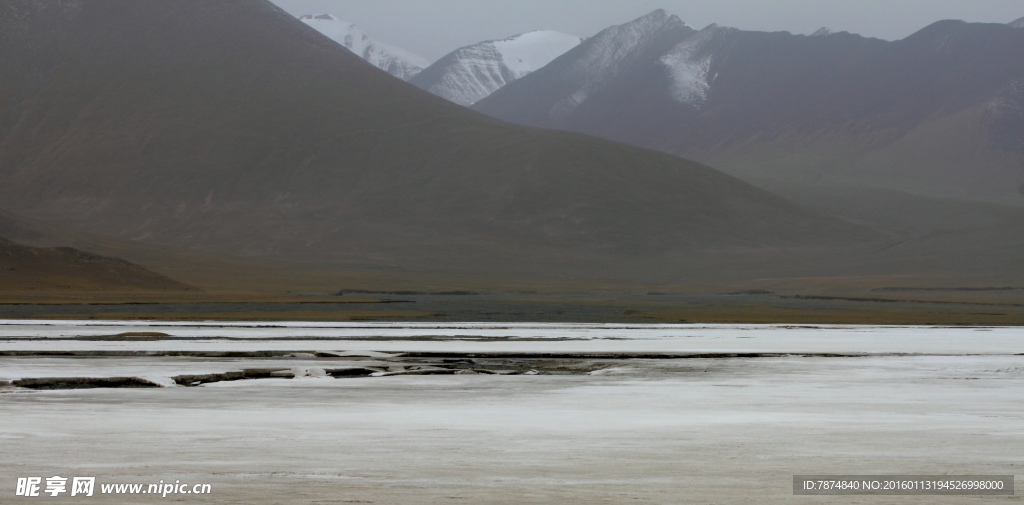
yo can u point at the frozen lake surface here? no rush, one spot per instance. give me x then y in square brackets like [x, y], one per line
[719, 429]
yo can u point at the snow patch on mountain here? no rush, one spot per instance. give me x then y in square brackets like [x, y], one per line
[1017, 24]
[688, 67]
[394, 60]
[472, 73]
[824, 30]
[1011, 99]
[565, 106]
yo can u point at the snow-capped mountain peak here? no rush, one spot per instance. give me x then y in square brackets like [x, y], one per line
[1017, 23]
[394, 60]
[471, 73]
[529, 51]
[824, 30]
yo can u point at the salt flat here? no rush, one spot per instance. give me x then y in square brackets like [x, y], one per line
[516, 337]
[697, 430]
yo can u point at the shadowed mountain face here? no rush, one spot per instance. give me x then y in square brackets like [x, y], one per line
[229, 126]
[937, 113]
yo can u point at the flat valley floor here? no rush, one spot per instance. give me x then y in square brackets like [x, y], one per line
[407, 413]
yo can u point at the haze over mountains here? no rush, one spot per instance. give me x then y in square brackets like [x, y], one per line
[939, 113]
[231, 127]
[832, 110]
[258, 137]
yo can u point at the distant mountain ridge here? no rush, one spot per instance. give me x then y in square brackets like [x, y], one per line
[939, 113]
[471, 73]
[394, 60]
[256, 137]
[600, 61]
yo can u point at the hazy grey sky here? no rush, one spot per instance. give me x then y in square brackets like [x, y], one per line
[433, 28]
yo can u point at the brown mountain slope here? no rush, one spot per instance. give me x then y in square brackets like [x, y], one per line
[34, 270]
[228, 126]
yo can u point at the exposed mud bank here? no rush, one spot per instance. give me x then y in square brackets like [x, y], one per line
[377, 365]
[84, 383]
